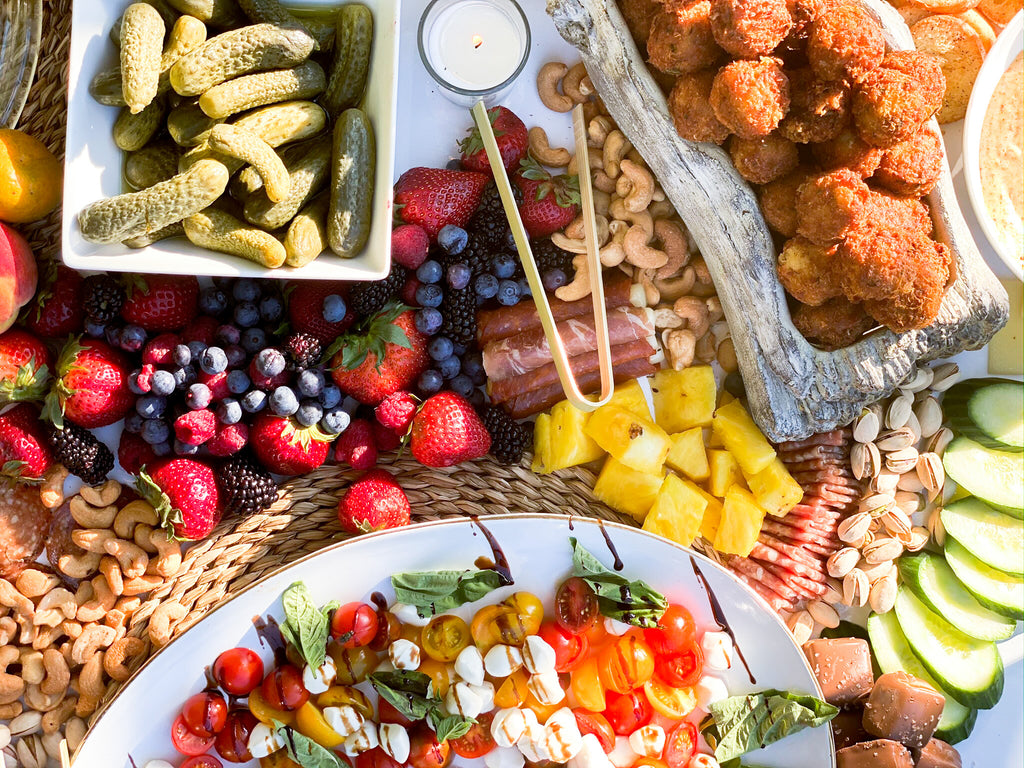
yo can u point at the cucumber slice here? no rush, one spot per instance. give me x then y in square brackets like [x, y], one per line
[993, 476]
[893, 654]
[989, 411]
[992, 537]
[969, 670]
[934, 583]
[997, 591]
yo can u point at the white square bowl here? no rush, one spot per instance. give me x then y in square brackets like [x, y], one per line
[93, 164]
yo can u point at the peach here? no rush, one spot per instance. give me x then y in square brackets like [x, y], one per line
[18, 275]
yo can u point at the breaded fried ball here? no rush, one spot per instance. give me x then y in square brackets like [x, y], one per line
[778, 202]
[919, 303]
[926, 69]
[912, 167]
[848, 150]
[750, 98]
[749, 28]
[639, 15]
[818, 109]
[681, 40]
[889, 107]
[878, 261]
[762, 160]
[804, 13]
[886, 209]
[807, 271]
[835, 324]
[830, 205]
[845, 43]
[690, 106]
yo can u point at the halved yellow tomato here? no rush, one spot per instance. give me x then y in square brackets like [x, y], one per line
[675, 703]
[310, 722]
[265, 713]
[342, 695]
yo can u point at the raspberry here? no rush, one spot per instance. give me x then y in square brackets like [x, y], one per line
[145, 378]
[195, 427]
[409, 245]
[134, 453]
[229, 439]
[396, 411]
[160, 351]
[385, 439]
[217, 382]
[356, 446]
[408, 292]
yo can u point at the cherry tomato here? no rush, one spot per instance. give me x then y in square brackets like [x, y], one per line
[681, 669]
[375, 758]
[238, 671]
[187, 742]
[202, 761]
[570, 649]
[389, 629]
[478, 740]
[680, 745]
[597, 724]
[441, 674]
[354, 625]
[627, 711]
[585, 683]
[425, 751]
[576, 607]
[283, 688]
[342, 695]
[675, 631]
[386, 713]
[232, 742]
[626, 664]
[528, 608]
[445, 637]
[513, 690]
[205, 713]
[673, 703]
[354, 664]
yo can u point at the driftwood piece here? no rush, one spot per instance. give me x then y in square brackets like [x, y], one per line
[793, 388]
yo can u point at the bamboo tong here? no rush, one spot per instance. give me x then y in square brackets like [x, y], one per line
[558, 354]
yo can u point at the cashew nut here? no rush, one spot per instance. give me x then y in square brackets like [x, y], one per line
[641, 186]
[680, 344]
[577, 84]
[580, 285]
[695, 312]
[164, 617]
[51, 490]
[89, 516]
[33, 582]
[617, 209]
[639, 253]
[727, 356]
[715, 311]
[673, 242]
[55, 718]
[143, 538]
[603, 182]
[168, 559]
[598, 130]
[615, 148]
[114, 661]
[111, 571]
[11, 686]
[8, 629]
[547, 87]
[102, 495]
[98, 600]
[10, 711]
[32, 670]
[12, 598]
[643, 277]
[544, 153]
[79, 566]
[92, 539]
[132, 514]
[575, 229]
[130, 556]
[593, 160]
[568, 244]
[128, 605]
[42, 702]
[661, 209]
[590, 111]
[58, 675]
[601, 202]
[93, 638]
[612, 253]
[56, 606]
[703, 286]
[705, 348]
[90, 685]
[142, 584]
[665, 317]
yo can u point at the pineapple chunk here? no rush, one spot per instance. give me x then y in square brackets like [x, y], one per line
[725, 472]
[740, 435]
[630, 396]
[775, 489]
[637, 442]
[688, 455]
[684, 399]
[712, 514]
[541, 463]
[741, 523]
[677, 511]
[725, 397]
[627, 490]
[569, 444]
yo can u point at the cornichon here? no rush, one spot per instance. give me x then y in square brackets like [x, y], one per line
[308, 173]
[220, 231]
[142, 241]
[272, 12]
[106, 88]
[250, 91]
[187, 34]
[139, 213]
[188, 124]
[307, 234]
[167, 13]
[352, 172]
[284, 123]
[322, 31]
[353, 39]
[142, 40]
[152, 164]
[133, 131]
[251, 149]
[217, 13]
[254, 48]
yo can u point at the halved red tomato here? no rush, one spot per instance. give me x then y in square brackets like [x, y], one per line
[680, 745]
[675, 631]
[187, 742]
[202, 761]
[478, 740]
[627, 711]
[597, 724]
[570, 649]
[681, 669]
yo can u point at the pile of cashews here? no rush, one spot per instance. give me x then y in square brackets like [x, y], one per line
[638, 228]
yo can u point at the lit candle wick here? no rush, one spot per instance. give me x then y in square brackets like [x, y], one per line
[477, 41]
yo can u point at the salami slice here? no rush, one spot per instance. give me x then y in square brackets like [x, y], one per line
[530, 403]
[757, 573]
[810, 590]
[835, 437]
[24, 523]
[834, 453]
[800, 534]
[772, 554]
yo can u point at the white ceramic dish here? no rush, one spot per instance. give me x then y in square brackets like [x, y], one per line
[93, 164]
[137, 721]
[1007, 47]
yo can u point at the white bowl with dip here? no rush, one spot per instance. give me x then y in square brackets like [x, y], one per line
[993, 162]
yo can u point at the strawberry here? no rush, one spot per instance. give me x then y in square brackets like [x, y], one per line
[286, 448]
[203, 329]
[387, 439]
[550, 203]
[24, 449]
[386, 357]
[409, 245]
[24, 366]
[372, 503]
[356, 445]
[447, 431]
[185, 495]
[306, 308]
[92, 385]
[433, 197]
[161, 302]
[134, 453]
[57, 309]
[512, 142]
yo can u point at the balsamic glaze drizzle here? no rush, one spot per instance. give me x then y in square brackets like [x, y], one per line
[501, 565]
[617, 563]
[720, 620]
[270, 636]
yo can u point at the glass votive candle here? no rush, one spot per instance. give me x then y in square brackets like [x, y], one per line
[474, 49]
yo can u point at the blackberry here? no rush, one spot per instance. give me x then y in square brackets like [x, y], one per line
[476, 255]
[83, 455]
[508, 437]
[104, 297]
[367, 299]
[488, 224]
[247, 487]
[549, 256]
[303, 350]
[458, 308]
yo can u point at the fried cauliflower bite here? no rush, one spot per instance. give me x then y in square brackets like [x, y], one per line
[690, 106]
[807, 271]
[835, 324]
[925, 69]
[912, 167]
[830, 205]
[681, 40]
[919, 303]
[750, 98]
[877, 261]
[804, 13]
[760, 161]
[749, 28]
[818, 109]
[889, 107]
[778, 202]
[848, 150]
[845, 43]
[639, 15]
[886, 209]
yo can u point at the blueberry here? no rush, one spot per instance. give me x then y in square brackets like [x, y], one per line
[271, 308]
[430, 381]
[226, 335]
[453, 240]
[133, 423]
[113, 335]
[428, 320]
[508, 293]
[510, 239]
[310, 383]
[486, 286]
[455, 164]
[246, 289]
[162, 449]
[151, 406]
[162, 383]
[255, 400]
[213, 360]
[554, 278]
[155, 431]
[133, 382]
[459, 276]
[472, 366]
[132, 338]
[330, 396]
[449, 367]
[524, 287]
[458, 349]
[283, 401]
[198, 396]
[184, 449]
[253, 340]
[184, 376]
[196, 348]
[429, 271]
[503, 265]
[429, 295]
[229, 411]
[238, 382]
[335, 421]
[309, 413]
[440, 347]
[270, 362]
[181, 355]
[476, 398]
[246, 314]
[236, 355]
[461, 385]
[334, 308]
[212, 301]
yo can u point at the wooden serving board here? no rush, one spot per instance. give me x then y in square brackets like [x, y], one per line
[793, 388]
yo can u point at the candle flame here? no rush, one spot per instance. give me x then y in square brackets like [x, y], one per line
[477, 41]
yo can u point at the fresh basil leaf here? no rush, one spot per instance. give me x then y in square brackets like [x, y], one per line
[307, 752]
[449, 726]
[306, 627]
[406, 691]
[747, 723]
[632, 602]
[434, 592]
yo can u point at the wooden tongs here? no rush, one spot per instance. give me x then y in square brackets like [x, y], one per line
[558, 354]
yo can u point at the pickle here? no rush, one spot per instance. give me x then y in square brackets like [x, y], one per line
[322, 31]
[152, 164]
[167, 13]
[254, 48]
[251, 91]
[251, 149]
[205, 152]
[133, 214]
[188, 124]
[220, 231]
[187, 34]
[133, 131]
[307, 234]
[353, 161]
[353, 40]
[106, 88]
[245, 184]
[272, 12]
[142, 41]
[142, 241]
[308, 172]
[217, 13]
[285, 122]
